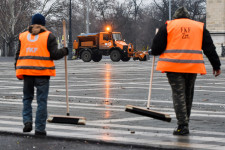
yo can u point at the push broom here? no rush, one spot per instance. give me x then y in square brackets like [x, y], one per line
[60, 118]
[147, 112]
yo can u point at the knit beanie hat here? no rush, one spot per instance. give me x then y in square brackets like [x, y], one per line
[181, 12]
[38, 19]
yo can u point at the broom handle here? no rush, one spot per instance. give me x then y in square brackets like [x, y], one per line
[150, 83]
[151, 77]
[66, 75]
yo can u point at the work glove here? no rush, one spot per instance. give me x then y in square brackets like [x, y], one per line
[65, 50]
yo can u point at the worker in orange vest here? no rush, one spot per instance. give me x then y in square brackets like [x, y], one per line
[34, 65]
[180, 43]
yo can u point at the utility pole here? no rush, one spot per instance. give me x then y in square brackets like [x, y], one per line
[87, 19]
[70, 44]
[169, 9]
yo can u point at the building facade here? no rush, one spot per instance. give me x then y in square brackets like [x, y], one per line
[215, 22]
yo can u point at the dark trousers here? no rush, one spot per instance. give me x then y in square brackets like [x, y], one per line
[42, 85]
[182, 85]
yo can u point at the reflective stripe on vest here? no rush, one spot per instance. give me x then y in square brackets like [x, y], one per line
[34, 58]
[183, 52]
[180, 61]
[34, 67]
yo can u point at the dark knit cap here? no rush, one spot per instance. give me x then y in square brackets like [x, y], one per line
[181, 12]
[38, 19]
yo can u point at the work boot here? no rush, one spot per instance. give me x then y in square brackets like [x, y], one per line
[40, 133]
[27, 127]
[181, 130]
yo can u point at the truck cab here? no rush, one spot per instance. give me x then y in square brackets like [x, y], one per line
[117, 48]
[108, 40]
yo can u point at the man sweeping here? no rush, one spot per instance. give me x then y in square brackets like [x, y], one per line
[180, 43]
[34, 65]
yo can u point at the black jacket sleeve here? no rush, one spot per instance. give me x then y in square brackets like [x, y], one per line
[210, 50]
[52, 45]
[17, 54]
[159, 41]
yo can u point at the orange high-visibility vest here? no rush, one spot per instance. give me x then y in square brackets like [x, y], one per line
[34, 58]
[183, 53]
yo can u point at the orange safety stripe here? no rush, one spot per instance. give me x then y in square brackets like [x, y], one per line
[183, 52]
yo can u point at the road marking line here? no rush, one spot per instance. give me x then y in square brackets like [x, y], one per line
[124, 99]
[111, 106]
[102, 123]
[111, 109]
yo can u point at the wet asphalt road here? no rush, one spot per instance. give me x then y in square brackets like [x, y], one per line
[100, 92]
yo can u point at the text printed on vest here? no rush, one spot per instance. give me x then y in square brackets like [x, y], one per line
[185, 32]
[31, 50]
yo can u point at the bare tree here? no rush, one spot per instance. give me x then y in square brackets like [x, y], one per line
[196, 8]
[136, 11]
[136, 21]
[159, 12]
[13, 16]
[105, 10]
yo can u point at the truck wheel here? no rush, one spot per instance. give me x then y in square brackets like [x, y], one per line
[115, 56]
[125, 58]
[97, 58]
[144, 59]
[86, 56]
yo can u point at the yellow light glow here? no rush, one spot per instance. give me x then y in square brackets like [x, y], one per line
[108, 29]
[107, 100]
[107, 83]
[105, 136]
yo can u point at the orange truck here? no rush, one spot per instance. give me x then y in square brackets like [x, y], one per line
[93, 46]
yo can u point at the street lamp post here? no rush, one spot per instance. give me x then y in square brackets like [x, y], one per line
[87, 19]
[70, 44]
[169, 9]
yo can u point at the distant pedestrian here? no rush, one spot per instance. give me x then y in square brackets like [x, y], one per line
[34, 65]
[180, 43]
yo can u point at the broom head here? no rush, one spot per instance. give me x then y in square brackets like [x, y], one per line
[148, 113]
[67, 119]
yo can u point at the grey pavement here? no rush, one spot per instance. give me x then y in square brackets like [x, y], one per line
[100, 91]
[16, 141]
